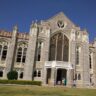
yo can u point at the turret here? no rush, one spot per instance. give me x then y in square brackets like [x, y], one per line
[11, 52]
[28, 67]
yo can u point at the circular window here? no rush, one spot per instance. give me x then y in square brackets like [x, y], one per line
[60, 24]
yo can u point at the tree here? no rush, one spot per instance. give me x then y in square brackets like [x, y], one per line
[12, 75]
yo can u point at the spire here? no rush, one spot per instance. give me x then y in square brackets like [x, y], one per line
[34, 24]
[15, 28]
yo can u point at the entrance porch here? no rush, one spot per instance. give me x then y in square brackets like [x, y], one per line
[55, 72]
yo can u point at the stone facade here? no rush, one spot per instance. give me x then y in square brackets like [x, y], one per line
[53, 51]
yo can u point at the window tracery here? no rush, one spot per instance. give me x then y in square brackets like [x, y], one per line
[21, 53]
[59, 47]
[3, 50]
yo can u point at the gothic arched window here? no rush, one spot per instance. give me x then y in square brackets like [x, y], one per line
[38, 56]
[4, 53]
[90, 61]
[59, 47]
[24, 55]
[19, 54]
[53, 48]
[77, 55]
[0, 49]
[66, 49]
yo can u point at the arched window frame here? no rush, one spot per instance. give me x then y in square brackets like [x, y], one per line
[90, 63]
[22, 54]
[78, 76]
[0, 50]
[3, 50]
[56, 54]
[38, 51]
[19, 55]
[78, 49]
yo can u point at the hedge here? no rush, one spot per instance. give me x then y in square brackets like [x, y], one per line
[21, 82]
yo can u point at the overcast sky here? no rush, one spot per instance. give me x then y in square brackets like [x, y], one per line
[23, 12]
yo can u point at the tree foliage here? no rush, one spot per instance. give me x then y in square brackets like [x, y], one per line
[12, 75]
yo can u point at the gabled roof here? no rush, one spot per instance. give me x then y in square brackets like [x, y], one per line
[61, 16]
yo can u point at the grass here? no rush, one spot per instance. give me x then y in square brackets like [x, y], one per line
[16, 90]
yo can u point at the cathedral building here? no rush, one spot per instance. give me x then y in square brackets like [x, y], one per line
[53, 50]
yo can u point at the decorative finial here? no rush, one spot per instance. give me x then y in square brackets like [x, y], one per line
[34, 24]
[15, 27]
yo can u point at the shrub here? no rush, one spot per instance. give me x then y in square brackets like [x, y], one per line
[21, 82]
[12, 75]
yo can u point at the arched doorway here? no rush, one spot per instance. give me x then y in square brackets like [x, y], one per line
[59, 48]
[61, 75]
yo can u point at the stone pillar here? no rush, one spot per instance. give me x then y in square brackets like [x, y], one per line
[53, 76]
[73, 55]
[69, 77]
[45, 53]
[46, 46]
[86, 75]
[30, 56]
[44, 75]
[11, 52]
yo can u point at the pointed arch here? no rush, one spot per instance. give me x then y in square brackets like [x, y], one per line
[66, 49]
[59, 47]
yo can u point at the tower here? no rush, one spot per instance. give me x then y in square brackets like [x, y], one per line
[30, 57]
[11, 52]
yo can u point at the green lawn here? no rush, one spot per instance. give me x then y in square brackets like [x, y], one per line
[44, 91]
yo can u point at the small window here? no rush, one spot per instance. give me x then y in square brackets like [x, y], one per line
[4, 53]
[79, 76]
[39, 73]
[24, 55]
[35, 73]
[77, 55]
[1, 73]
[75, 76]
[39, 51]
[90, 61]
[21, 75]
[19, 54]
[0, 49]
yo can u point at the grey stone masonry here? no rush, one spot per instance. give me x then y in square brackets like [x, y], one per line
[45, 49]
[86, 71]
[73, 55]
[30, 57]
[53, 76]
[11, 52]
